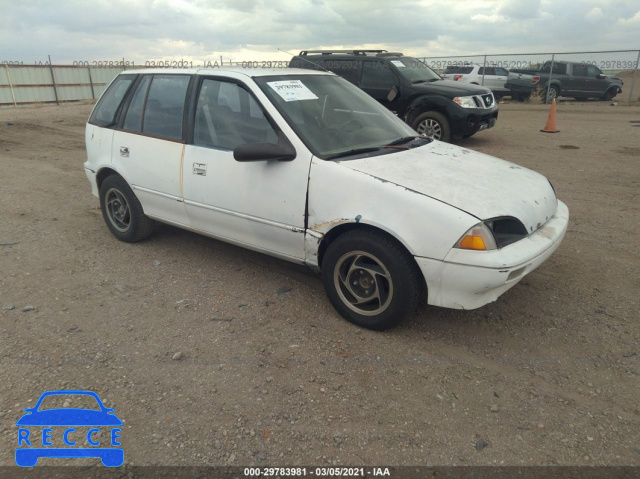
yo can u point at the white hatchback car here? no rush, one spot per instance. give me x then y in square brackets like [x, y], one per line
[306, 167]
[493, 78]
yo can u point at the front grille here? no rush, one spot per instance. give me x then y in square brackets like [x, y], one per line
[484, 101]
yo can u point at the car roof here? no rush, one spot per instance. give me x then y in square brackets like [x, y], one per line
[231, 71]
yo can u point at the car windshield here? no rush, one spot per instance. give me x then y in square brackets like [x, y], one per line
[414, 70]
[332, 117]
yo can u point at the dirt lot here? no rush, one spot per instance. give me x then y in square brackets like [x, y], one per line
[213, 355]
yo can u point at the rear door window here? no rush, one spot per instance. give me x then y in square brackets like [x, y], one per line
[133, 120]
[377, 75]
[164, 108]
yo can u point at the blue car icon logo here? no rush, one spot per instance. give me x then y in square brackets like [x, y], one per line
[69, 432]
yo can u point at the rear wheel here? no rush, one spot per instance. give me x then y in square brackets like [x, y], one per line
[122, 211]
[370, 279]
[550, 94]
[432, 124]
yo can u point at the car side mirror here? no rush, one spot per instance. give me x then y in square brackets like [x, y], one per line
[393, 93]
[601, 76]
[263, 152]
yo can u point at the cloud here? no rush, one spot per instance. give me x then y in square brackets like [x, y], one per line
[143, 30]
[594, 15]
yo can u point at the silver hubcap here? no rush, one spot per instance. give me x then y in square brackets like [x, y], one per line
[118, 210]
[430, 128]
[363, 283]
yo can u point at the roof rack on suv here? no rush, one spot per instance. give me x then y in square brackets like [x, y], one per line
[350, 52]
[389, 54]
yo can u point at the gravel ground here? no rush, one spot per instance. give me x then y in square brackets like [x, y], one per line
[214, 355]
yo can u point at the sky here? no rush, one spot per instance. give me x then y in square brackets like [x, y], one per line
[246, 30]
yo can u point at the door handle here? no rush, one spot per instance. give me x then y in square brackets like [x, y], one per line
[200, 169]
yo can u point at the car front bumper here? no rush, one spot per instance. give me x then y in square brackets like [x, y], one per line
[468, 121]
[470, 279]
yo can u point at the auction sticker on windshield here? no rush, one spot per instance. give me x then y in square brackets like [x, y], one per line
[398, 63]
[292, 90]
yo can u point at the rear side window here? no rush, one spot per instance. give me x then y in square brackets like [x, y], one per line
[377, 75]
[105, 111]
[133, 120]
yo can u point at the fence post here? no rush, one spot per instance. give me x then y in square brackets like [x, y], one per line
[633, 80]
[546, 99]
[93, 95]
[53, 81]
[13, 95]
[484, 68]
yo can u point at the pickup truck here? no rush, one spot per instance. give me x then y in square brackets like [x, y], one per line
[570, 79]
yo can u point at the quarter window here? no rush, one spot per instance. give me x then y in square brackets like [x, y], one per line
[105, 111]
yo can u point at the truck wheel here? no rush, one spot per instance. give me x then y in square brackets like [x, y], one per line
[609, 94]
[432, 124]
[553, 94]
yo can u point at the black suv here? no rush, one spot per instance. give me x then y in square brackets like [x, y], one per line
[432, 106]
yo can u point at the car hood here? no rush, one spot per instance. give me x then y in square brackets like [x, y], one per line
[69, 417]
[478, 184]
[451, 89]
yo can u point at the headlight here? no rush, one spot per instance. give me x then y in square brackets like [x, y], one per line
[493, 234]
[465, 101]
[479, 237]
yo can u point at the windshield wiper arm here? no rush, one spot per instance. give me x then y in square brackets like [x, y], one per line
[402, 141]
[355, 151]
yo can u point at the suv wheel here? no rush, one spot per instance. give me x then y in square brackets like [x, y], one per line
[432, 124]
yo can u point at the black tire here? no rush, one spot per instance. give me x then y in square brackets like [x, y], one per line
[122, 211]
[609, 94]
[371, 280]
[553, 94]
[432, 124]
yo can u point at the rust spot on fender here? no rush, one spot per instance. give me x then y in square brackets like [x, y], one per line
[327, 225]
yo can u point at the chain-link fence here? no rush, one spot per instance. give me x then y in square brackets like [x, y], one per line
[622, 64]
[24, 84]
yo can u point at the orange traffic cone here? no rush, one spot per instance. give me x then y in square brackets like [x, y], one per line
[550, 127]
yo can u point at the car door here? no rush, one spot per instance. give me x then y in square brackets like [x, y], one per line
[258, 204]
[595, 86]
[576, 82]
[148, 145]
[499, 79]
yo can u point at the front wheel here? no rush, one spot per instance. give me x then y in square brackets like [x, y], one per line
[432, 124]
[122, 211]
[609, 94]
[370, 279]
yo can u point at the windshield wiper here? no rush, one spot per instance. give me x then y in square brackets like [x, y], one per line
[355, 151]
[402, 141]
